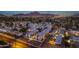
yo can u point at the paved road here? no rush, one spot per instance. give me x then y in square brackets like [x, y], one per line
[15, 43]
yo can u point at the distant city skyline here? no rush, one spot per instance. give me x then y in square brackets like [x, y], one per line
[65, 13]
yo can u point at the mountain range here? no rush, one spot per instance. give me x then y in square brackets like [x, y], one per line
[35, 13]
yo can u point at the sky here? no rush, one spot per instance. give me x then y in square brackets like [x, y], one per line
[65, 13]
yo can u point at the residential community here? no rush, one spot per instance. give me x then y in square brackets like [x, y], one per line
[39, 30]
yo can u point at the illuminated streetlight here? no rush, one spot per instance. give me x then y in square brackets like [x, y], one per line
[68, 41]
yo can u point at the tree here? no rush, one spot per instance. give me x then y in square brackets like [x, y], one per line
[23, 30]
